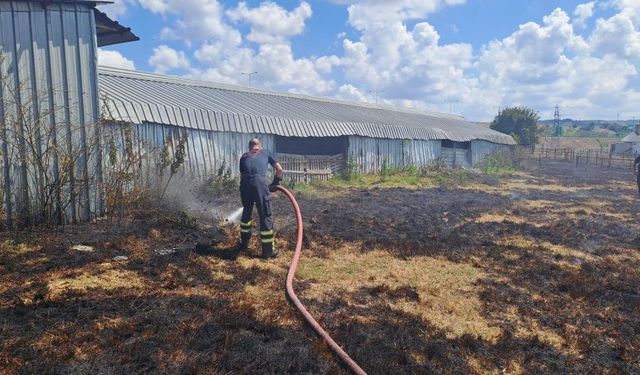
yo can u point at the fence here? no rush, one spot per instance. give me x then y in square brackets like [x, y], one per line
[303, 168]
[594, 157]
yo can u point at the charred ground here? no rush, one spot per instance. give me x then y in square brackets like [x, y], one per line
[534, 273]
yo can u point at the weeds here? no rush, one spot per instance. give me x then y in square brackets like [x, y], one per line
[385, 171]
[351, 170]
[221, 182]
[497, 164]
[176, 163]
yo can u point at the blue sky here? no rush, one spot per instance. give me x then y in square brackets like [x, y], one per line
[472, 56]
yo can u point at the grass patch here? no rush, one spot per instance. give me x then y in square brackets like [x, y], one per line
[107, 279]
[408, 178]
[10, 247]
[436, 290]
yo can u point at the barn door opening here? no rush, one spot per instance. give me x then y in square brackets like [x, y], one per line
[308, 158]
[456, 154]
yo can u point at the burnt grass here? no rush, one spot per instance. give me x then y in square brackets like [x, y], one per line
[557, 250]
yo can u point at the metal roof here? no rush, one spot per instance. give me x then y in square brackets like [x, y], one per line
[110, 32]
[137, 97]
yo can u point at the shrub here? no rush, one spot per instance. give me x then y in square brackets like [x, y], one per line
[222, 180]
[437, 166]
[386, 171]
[351, 172]
[497, 164]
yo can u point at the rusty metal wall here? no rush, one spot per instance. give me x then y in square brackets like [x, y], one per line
[50, 86]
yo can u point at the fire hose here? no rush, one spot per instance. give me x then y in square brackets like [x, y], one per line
[292, 294]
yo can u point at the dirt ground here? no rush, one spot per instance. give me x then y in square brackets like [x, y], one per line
[534, 273]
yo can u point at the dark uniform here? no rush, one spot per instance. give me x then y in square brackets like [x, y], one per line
[636, 165]
[254, 189]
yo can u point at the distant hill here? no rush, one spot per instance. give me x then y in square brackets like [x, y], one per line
[589, 128]
[584, 128]
[577, 143]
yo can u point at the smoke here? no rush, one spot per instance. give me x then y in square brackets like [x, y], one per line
[193, 197]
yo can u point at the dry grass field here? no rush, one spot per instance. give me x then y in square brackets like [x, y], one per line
[538, 272]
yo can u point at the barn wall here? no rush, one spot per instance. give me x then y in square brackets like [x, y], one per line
[480, 149]
[49, 106]
[206, 151]
[369, 153]
[455, 157]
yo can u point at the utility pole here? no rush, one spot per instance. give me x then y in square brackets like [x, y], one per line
[376, 93]
[451, 101]
[249, 74]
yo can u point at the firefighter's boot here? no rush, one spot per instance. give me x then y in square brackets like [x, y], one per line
[245, 235]
[268, 244]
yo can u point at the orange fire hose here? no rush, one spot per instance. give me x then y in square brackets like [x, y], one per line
[292, 295]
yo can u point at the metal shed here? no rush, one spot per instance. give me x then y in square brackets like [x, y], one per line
[49, 106]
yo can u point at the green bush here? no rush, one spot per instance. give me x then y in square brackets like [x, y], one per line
[410, 170]
[222, 180]
[386, 171]
[497, 164]
[351, 172]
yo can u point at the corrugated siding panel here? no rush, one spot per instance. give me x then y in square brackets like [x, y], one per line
[369, 153]
[455, 157]
[480, 149]
[206, 150]
[50, 57]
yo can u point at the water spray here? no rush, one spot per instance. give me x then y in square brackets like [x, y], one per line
[234, 217]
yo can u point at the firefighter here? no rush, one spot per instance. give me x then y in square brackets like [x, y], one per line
[636, 170]
[254, 190]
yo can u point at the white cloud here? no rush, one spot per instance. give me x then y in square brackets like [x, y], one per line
[270, 22]
[408, 63]
[583, 12]
[541, 65]
[617, 35]
[365, 13]
[115, 10]
[197, 20]
[165, 58]
[629, 8]
[325, 64]
[392, 47]
[114, 59]
[350, 93]
[271, 27]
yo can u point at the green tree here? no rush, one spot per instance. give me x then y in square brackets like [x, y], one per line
[519, 122]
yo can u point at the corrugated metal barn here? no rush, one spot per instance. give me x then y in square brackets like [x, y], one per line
[220, 119]
[63, 117]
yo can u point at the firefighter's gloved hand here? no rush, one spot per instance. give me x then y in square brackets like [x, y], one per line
[274, 184]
